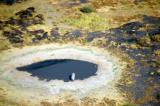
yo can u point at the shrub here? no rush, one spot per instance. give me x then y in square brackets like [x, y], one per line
[86, 9]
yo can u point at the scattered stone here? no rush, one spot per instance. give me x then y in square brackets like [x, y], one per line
[76, 33]
[32, 9]
[14, 36]
[40, 16]
[115, 32]
[23, 23]
[34, 40]
[45, 35]
[93, 35]
[54, 33]
[12, 21]
[23, 14]
[16, 40]
[38, 35]
[73, 34]
[13, 32]
[36, 32]
[38, 19]
[132, 26]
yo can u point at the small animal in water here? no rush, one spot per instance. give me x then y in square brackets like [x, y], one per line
[72, 76]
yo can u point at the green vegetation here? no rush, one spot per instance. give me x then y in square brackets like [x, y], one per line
[128, 104]
[86, 9]
[87, 21]
[9, 2]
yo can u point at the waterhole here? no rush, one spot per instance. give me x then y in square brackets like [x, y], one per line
[61, 69]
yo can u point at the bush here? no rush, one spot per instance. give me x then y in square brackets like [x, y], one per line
[9, 2]
[86, 9]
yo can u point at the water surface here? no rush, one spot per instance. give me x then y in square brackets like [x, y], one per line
[61, 69]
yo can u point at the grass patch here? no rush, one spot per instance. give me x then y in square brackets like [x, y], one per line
[128, 104]
[87, 21]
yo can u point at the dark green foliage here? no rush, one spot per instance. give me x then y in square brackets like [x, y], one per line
[9, 2]
[86, 9]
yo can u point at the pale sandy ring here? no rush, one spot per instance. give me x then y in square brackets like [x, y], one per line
[105, 74]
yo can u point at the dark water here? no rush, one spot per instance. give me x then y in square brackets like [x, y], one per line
[61, 69]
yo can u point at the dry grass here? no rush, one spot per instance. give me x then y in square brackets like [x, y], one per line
[101, 3]
[4, 44]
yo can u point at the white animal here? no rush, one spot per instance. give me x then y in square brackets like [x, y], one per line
[73, 76]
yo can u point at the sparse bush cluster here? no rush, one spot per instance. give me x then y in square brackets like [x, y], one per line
[86, 9]
[10, 2]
